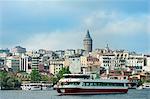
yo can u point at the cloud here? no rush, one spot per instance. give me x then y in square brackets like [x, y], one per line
[54, 41]
[128, 26]
[118, 29]
[114, 22]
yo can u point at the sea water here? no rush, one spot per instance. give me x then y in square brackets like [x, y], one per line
[52, 94]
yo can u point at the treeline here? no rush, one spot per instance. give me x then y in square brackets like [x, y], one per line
[10, 80]
[36, 76]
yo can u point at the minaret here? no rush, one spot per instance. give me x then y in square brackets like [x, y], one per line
[87, 42]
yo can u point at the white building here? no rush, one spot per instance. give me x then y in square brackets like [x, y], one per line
[121, 57]
[146, 66]
[13, 63]
[79, 52]
[135, 62]
[60, 53]
[35, 61]
[74, 64]
[89, 63]
[24, 63]
[56, 65]
[2, 61]
[69, 52]
[107, 61]
[4, 53]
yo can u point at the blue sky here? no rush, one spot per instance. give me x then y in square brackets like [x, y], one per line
[62, 24]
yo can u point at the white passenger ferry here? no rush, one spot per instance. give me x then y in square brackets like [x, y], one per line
[85, 84]
[36, 86]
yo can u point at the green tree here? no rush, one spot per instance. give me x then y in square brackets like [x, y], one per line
[9, 80]
[47, 78]
[3, 74]
[54, 79]
[44, 78]
[35, 76]
[64, 70]
[140, 82]
[148, 81]
[97, 76]
[3, 78]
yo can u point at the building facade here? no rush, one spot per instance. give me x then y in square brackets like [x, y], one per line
[24, 63]
[89, 63]
[107, 61]
[74, 64]
[55, 65]
[13, 63]
[35, 60]
[146, 66]
[135, 62]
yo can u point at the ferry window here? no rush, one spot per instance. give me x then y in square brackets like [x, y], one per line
[103, 84]
[84, 84]
[115, 77]
[76, 83]
[99, 84]
[119, 84]
[95, 84]
[72, 83]
[87, 84]
[109, 84]
[116, 84]
[65, 83]
[112, 84]
[91, 84]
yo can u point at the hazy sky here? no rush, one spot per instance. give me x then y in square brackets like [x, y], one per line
[62, 24]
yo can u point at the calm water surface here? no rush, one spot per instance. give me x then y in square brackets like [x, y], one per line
[19, 94]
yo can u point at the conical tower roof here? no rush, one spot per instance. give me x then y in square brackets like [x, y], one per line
[88, 35]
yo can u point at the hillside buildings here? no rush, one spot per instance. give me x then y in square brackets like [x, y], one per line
[78, 60]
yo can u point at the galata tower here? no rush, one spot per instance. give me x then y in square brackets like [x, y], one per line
[87, 42]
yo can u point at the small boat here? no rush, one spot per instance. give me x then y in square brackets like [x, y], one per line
[139, 88]
[46, 86]
[31, 86]
[73, 84]
[54, 87]
[146, 86]
[36, 86]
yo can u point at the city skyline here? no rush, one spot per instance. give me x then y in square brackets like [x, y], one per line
[63, 24]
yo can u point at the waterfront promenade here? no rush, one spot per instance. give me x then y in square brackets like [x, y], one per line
[52, 94]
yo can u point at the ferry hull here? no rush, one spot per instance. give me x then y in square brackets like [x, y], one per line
[71, 91]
